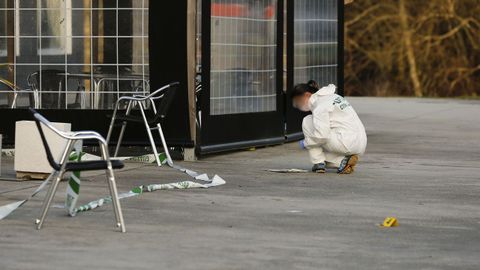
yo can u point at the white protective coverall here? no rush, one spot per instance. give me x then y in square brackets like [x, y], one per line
[334, 129]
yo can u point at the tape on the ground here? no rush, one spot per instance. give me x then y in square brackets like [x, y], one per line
[212, 182]
[6, 210]
[8, 152]
[151, 159]
[147, 159]
[73, 188]
[217, 181]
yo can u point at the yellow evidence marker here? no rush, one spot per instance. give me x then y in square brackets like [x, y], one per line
[390, 222]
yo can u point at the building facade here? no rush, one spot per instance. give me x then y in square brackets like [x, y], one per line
[72, 59]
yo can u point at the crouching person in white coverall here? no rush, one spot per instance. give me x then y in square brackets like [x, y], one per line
[334, 134]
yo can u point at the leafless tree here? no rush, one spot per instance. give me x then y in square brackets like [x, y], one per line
[413, 47]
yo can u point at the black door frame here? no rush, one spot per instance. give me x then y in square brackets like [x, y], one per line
[237, 131]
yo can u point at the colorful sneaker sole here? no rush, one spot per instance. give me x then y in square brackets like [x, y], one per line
[350, 167]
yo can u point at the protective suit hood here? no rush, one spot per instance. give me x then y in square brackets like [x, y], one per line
[319, 96]
[327, 90]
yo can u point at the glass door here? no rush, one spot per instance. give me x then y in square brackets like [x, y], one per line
[241, 74]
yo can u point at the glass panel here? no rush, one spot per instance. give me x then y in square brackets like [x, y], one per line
[77, 54]
[3, 29]
[243, 56]
[315, 41]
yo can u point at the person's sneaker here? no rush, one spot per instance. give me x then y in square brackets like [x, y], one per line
[347, 166]
[319, 168]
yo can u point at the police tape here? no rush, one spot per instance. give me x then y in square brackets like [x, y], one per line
[6, 210]
[73, 187]
[74, 183]
[147, 159]
[137, 191]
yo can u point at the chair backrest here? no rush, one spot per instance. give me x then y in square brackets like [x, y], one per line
[51, 81]
[166, 101]
[39, 120]
[7, 83]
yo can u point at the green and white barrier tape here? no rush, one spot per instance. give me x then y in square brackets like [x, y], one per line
[9, 208]
[147, 159]
[217, 181]
[8, 152]
[140, 159]
[73, 187]
[74, 183]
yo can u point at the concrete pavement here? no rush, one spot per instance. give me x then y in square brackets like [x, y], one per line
[421, 166]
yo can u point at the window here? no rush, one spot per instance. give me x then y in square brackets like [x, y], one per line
[54, 20]
[315, 41]
[3, 28]
[80, 54]
[243, 52]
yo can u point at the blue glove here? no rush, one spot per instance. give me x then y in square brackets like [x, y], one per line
[302, 144]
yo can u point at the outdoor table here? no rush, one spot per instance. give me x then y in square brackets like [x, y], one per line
[104, 78]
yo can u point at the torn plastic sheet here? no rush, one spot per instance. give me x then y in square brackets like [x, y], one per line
[288, 170]
[137, 191]
[6, 210]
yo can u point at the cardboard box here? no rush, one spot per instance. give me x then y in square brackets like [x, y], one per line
[30, 156]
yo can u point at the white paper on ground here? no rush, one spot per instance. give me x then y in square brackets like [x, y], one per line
[288, 170]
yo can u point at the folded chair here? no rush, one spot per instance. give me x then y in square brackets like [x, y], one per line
[163, 97]
[64, 165]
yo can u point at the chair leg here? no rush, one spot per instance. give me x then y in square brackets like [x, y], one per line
[152, 143]
[120, 138]
[14, 102]
[150, 136]
[48, 199]
[115, 200]
[110, 128]
[122, 131]
[165, 146]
